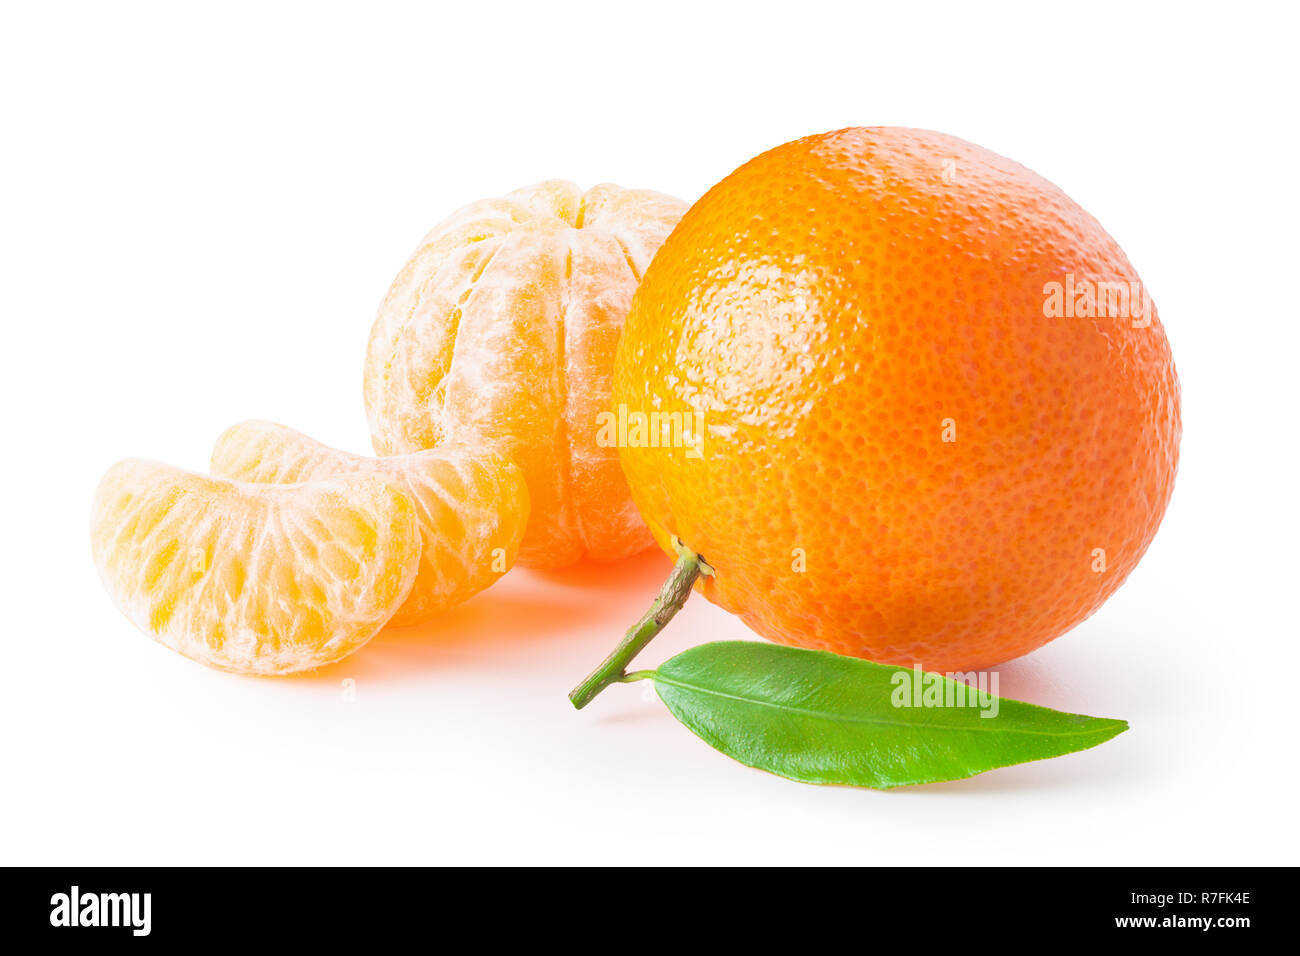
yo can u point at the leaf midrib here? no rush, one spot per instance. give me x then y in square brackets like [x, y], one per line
[676, 682]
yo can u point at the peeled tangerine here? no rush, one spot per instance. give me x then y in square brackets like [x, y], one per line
[260, 579]
[306, 557]
[502, 329]
[471, 505]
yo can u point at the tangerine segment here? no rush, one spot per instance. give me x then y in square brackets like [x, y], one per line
[911, 452]
[502, 329]
[472, 505]
[257, 579]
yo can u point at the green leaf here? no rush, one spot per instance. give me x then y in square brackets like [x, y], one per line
[818, 717]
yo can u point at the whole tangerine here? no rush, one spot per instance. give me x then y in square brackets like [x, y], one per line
[906, 398]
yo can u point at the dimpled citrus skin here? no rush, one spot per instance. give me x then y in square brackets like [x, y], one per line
[502, 329]
[472, 505]
[257, 579]
[833, 306]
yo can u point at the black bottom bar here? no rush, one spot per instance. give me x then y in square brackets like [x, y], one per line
[973, 905]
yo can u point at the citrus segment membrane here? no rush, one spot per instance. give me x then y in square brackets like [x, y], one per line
[257, 579]
[472, 505]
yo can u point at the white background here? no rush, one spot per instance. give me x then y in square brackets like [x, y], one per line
[201, 211]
